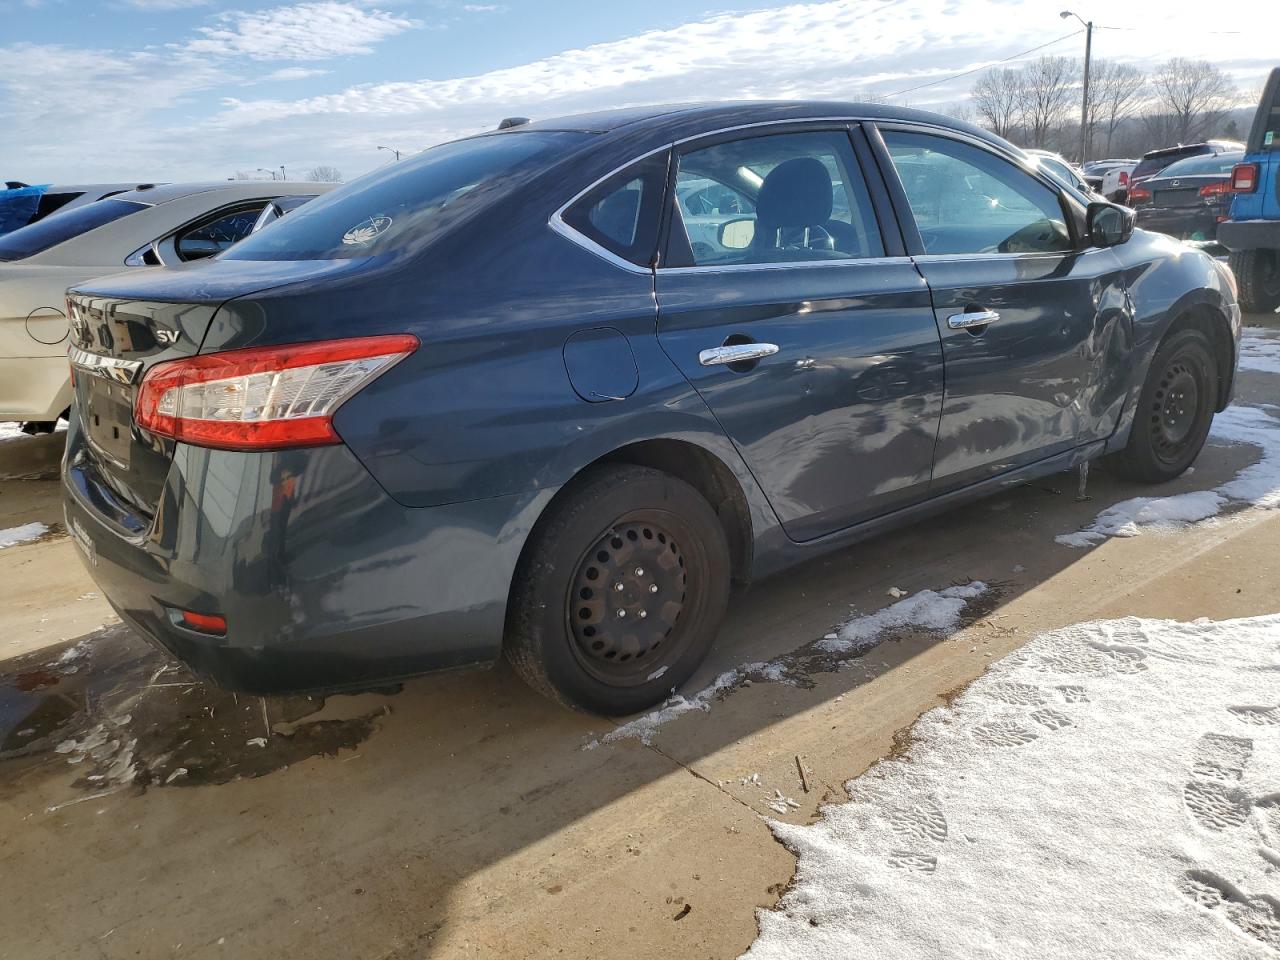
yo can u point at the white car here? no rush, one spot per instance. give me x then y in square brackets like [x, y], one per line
[1115, 182]
[152, 226]
[1060, 168]
[21, 204]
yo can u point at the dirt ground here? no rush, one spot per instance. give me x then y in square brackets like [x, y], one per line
[462, 815]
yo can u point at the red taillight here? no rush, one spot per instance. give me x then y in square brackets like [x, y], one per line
[1124, 178]
[203, 622]
[1138, 193]
[1211, 190]
[263, 398]
[1244, 178]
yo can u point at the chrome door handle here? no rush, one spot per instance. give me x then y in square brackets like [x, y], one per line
[978, 318]
[736, 353]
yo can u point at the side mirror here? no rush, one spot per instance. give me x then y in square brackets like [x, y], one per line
[1109, 224]
[737, 234]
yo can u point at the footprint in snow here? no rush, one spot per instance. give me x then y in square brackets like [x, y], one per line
[1214, 798]
[1258, 716]
[921, 822]
[1003, 733]
[1257, 917]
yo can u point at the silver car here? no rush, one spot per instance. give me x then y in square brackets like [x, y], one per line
[150, 226]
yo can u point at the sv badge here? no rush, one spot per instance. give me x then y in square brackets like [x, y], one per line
[167, 336]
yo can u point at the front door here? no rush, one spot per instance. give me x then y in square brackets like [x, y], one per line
[817, 353]
[1034, 326]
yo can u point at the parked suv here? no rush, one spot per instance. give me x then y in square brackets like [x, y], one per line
[1253, 232]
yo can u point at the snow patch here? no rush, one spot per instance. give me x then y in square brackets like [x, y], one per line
[1260, 350]
[23, 534]
[1107, 791]
[1255, 485]
[926, 610]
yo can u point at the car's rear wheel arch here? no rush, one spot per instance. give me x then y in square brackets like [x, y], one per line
[699, 468]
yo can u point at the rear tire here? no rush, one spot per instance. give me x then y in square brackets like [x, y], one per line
[620, 591]
[1175, 411]
[1258, 277]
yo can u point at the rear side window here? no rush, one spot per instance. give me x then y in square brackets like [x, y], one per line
[411, 200]
[622, 213]
[968, 200]
[63, 226]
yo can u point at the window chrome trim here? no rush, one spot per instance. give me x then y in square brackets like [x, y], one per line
[784, 265]
[556, 220]
[110, 368]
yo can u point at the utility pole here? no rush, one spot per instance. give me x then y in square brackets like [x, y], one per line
[1084, 105]
[391, 150]
[283, 177]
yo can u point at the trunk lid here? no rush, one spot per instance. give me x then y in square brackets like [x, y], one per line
[121, 327]
[1181, 191]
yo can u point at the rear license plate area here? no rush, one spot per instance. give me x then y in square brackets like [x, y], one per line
[108, 418]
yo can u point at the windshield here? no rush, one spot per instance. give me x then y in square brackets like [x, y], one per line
[1203, 166]
[405, 201]
[40, 236]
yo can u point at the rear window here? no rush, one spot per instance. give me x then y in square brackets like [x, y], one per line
[63, 226]
[1153, 165]
[407, 201]
[1203, 166]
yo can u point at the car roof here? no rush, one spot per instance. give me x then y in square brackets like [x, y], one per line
[231, 190]
[678, 121]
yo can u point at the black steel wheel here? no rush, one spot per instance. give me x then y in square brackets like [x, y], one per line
[620, 591]
[1175, 410]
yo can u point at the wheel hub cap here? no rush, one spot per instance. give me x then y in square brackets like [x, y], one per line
[627, 595]
[1177, 404]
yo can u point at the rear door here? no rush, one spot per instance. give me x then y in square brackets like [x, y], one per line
[1033, 323]
[800, 323]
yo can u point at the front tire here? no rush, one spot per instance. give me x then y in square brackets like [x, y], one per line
[1258, 277]
[620, 592]
[1175, 410]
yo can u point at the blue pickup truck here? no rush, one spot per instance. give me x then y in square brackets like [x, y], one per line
[1253, 232]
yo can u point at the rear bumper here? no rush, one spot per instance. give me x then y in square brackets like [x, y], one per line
[325, 581]
[34, 388]
[1250, 234]
[1182, 223]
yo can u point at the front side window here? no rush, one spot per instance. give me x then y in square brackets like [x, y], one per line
[968, 200]
[62, 226]
[213, 236]
[409, 202]
[783, 198]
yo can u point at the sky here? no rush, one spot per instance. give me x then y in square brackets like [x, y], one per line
[194, 89]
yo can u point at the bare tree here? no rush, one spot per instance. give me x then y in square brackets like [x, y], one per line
[1115, 92]
[997, 98]
[1044, 93]
[325, 174]
[1193, 94]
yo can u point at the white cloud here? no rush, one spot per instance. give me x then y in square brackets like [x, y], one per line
[304, 31]
[145, 103]
[293, 73]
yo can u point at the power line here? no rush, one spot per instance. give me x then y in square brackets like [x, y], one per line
[985, 66]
